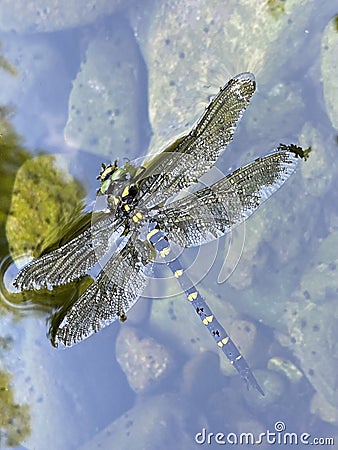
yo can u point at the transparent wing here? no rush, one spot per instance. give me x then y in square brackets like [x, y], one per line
[116, 289]
[71, 260]
[190, 157]
[213, 211]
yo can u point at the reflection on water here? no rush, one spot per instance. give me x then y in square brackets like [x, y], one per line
[281, 300]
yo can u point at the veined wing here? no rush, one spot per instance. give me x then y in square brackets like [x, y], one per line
[187, 159]
[213, 211]
[71, 260]
[116, 289]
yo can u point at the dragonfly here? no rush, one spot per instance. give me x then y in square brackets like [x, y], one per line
[144, 215]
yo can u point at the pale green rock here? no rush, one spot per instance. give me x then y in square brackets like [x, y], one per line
[324, 410]
[274, 386]
[103, 115]
[154, 422]
[243, 333]
[144, 361]
[206, 367]
[192, 48]
[312, 337]
[241, 278]
[285, 367]
[39, 15]
[277, 228]
[320, 282]
[174, 318]
[318, 172]
[329, 68]
[278, 111]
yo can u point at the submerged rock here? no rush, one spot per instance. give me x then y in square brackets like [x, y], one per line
[203, 43]
[323, 409]
[104, 104]
[143, 360]
[45, 198]
[312, 337]
[329, 68]
[37, 15]
[152, 422]
[177, 321]
[13, 155]
[318, 172]
[320, 282]
[285, 367]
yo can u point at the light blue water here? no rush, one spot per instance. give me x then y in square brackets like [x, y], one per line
[94, 87]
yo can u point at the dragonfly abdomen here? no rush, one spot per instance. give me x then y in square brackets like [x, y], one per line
[221, 337]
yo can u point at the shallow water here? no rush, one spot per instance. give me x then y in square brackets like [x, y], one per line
[117, 85]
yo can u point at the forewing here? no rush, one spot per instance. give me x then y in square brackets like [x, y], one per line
[213, 211]
[116, 289]
[72, 260]
[190, 157]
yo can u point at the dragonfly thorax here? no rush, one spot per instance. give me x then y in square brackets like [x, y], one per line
[124, 199]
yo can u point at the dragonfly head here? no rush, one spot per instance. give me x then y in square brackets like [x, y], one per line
[116, 183]
[112, 175]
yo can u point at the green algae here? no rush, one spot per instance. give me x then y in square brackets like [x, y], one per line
[15, 417]
[6, 65]
[13, 155]
[276, 8]
[44, 200]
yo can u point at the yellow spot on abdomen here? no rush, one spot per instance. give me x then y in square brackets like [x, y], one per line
[165, 251]
[152, 233]
[178, 273]
[192, 296]
[208, 319]
[224, 341]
